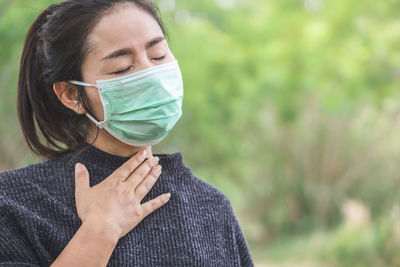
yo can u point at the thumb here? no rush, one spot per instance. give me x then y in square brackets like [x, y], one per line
[81, 178]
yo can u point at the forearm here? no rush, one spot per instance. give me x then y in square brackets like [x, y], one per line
[88, 247]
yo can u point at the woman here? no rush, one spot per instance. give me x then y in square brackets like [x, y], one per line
[98, 86]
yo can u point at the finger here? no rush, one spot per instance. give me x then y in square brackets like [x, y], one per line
[126, 169]
[144, 187]
[81, 179]
[154, 204]
[141, 172]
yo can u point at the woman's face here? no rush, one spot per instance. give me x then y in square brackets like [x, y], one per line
[123, 42]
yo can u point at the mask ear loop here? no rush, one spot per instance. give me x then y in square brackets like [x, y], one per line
[82, 83]
[99, 124]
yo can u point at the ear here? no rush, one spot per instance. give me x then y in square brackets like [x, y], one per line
[68, 95]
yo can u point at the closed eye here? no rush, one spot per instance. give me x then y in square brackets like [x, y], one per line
[130, 67]
[122, 71]
[159, 58]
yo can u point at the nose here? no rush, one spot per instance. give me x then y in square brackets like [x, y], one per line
[143, 63]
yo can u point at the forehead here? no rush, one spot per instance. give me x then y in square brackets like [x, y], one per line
[126, 25]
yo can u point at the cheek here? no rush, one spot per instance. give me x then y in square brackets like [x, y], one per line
[95, 104]
[89, 70]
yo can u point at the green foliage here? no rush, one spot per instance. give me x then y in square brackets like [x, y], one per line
[290, 105]
[366, 245]
[290, 108]
[369, 244]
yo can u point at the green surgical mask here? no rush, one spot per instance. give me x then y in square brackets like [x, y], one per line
[141, 108]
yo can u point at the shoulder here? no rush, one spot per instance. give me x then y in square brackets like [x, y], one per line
[203, 192]
[17, 183]
[29, 196]
[56, 163]
[211, 192]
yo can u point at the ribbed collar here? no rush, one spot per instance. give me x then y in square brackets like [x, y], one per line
[89, 153]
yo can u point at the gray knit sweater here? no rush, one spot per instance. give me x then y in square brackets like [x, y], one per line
[196, 227]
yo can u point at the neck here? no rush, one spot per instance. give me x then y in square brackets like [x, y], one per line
[108, 143]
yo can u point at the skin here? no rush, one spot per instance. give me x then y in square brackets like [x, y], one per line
[110, 209]
[136, 29]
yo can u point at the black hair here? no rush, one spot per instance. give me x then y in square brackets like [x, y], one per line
[54, 49]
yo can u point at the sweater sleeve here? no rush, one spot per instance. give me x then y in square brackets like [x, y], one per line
[15, 249]
[239, 239]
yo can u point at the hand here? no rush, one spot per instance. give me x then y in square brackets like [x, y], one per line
[113, 206]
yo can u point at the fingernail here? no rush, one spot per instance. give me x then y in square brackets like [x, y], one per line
[158, 169]
[142, 154]
[166, 196]
[78, 168]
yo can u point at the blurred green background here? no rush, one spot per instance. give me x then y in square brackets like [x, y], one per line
[291, 109]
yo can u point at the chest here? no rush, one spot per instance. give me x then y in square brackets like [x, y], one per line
[171, 236]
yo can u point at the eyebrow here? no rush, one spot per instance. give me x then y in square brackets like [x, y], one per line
[155, 41]
[127, 51]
